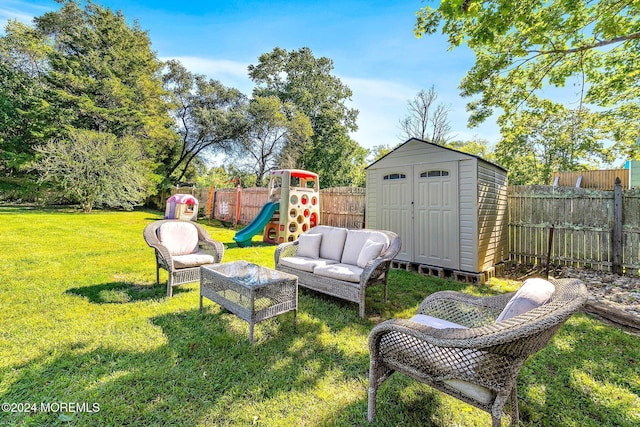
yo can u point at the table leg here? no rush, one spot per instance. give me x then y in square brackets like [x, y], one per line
[200, 303]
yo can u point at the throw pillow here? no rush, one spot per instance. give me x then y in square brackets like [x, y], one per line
[309, 245]
[369, 251]
[532, 294]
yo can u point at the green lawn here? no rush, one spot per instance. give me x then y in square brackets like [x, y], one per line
[82, 322]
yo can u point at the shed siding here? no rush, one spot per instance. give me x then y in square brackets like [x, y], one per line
[492, 211]
[468, 208]
[371, 217]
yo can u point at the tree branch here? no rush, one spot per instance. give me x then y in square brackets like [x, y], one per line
[587, 47]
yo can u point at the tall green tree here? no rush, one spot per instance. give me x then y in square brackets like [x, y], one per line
[523, 46]
[104, 74]
[82, 67]
[210, 117]
[306, 81]
[276, 132]
[538, 141]
[26, 117]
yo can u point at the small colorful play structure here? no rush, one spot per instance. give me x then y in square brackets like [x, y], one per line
[181, 206]
[293, 208]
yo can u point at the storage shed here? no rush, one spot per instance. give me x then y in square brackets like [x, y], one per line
[448, 207]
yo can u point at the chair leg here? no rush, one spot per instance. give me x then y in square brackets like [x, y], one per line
[170, 285]
[386, 280]
[515, 421]
[371, 411]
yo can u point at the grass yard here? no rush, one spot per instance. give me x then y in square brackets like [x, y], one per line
[82, 323]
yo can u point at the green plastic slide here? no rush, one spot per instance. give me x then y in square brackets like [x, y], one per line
[243, 237]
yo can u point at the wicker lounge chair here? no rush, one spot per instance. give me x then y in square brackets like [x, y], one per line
[475, 358]
[181, 247]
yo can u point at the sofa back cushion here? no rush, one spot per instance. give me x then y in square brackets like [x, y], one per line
[179, 237]
[532, 294]
[355, 242]
[333, 239]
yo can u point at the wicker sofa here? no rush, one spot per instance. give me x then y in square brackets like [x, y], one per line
[340, 262]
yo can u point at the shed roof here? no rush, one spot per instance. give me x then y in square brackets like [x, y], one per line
[439, 146]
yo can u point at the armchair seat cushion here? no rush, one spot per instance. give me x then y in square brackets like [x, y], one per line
[434, 322]
[305, 263]
[346, 272]
[192, 260]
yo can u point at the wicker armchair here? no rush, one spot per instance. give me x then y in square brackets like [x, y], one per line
[478, 364]
[181, 247]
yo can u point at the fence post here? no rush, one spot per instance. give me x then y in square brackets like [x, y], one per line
[238, 196]
[617, 228]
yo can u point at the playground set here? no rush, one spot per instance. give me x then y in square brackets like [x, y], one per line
[293, 208]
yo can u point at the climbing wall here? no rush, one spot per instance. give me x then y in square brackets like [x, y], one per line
[303, 212]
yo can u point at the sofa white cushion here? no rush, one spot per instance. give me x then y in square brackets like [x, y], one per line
[532, 294]
[305, 263]
[332, 242]
[346, 272]
[309, 245]
[179, 237]
[434, 322]
[356, 239]
[192, 260]
[369, 251]
[475, 391]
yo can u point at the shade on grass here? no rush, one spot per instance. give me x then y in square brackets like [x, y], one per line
[81, 320]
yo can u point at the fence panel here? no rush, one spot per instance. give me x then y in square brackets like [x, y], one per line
[594, 179]
[583, 224]
[342, 207]
[251, 201]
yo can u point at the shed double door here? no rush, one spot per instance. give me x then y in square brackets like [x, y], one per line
[420, 203]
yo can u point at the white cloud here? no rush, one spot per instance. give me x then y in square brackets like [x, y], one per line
[23, 11]
[6, 14]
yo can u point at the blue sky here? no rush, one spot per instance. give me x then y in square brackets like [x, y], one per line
[370, 42]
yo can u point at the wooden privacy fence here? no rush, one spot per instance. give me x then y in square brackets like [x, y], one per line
[591, 228]
[339, 207]
[596, 179]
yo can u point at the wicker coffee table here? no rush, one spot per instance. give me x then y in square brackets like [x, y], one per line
[251, 292]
